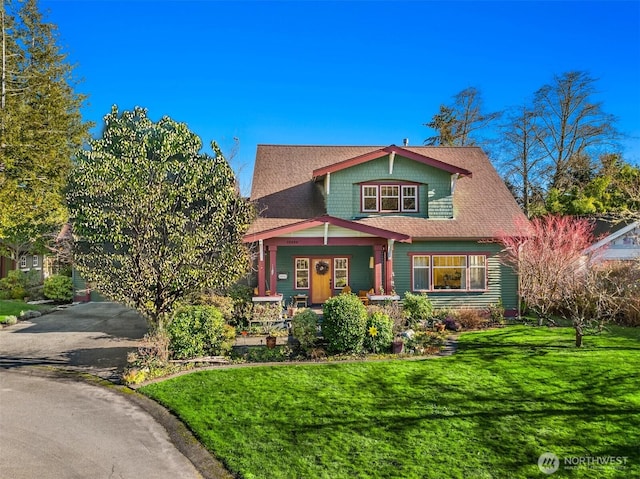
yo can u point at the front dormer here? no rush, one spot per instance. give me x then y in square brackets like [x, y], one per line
[389, 182]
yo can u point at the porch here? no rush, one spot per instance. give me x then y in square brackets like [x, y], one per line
[321, 256]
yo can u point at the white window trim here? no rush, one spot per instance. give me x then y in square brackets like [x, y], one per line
[365, 196]
[336, 269]
[414, 196]
[396, 197]
[35, 262]
[468, 267]
[379, 197]
[307, 269]
[414, 267]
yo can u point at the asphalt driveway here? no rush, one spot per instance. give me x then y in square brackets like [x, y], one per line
[56, 423]
[91, 337]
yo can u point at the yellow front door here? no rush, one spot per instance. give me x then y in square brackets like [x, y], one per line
[320, 283]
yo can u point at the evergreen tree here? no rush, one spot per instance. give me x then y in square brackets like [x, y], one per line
[41, 128]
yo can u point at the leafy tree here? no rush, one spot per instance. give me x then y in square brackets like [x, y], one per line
[40, 128]
[572, 126]
[156, 219]
[610, 190]
[460, 123]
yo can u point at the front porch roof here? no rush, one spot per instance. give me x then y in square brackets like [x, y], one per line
[321, 220]
[320, 172]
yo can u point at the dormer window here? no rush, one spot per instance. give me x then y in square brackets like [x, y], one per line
[389, 198]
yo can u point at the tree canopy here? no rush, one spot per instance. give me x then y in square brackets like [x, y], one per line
[460, 123]
[155, 218]
[551, 150]
[40, 128]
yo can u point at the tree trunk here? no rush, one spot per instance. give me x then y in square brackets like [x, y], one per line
[578, 336]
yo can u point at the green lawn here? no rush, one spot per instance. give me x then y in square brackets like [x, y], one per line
[13, 307]
[489, 411]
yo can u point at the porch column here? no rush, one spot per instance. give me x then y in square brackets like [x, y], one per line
[261, 270]
[273, 273]
[377, 268]
[388, 268]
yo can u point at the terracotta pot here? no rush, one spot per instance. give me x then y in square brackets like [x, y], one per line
[398, 347]
[271, 342]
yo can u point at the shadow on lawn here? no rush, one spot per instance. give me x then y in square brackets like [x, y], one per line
[515, 423]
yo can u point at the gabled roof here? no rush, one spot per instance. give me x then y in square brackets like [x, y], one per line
[604, 242]
[426, 160]
[285, 191]
[321, 220]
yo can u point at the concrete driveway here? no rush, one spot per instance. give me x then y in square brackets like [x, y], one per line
[54, 423]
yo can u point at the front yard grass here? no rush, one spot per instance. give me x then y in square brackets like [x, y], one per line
[13, 307]
[506, 397]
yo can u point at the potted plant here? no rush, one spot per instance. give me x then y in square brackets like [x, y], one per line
[398, 344]
[270, 339]
[291, 308]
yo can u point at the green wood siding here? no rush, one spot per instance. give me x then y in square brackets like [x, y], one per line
[435, 199]
[80, 286]
[501, 280]
[360, 276]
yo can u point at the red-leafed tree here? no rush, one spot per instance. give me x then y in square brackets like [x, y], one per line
[557, 274]
[544, 254]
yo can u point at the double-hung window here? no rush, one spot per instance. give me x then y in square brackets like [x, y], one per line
[23, 262]
[449, 272]
[421, 273]
[389, 198]
[302, 273]
[340, 272]
[370, 198]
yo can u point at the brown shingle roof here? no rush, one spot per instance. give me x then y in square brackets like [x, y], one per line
[285, 192]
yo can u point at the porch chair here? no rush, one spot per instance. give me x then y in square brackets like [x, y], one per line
[362, 295]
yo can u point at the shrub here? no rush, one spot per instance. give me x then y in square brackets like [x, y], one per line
[242, 304]
[496, 312]
[14, 286]
[417, 307]
[452, 324]
[345, 320]
[394, 310]
[8, 320]
[224, 304]
[383, 337]
[58, 288]
[426, 342]
[268, 314]
[471, 319]
[305, 328]
[196, 331]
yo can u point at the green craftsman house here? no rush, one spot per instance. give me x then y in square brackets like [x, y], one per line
[381, 220]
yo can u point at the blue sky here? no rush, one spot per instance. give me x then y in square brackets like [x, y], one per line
[361, 73]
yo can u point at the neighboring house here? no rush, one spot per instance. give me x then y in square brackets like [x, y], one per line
[27, 263]
[419, 219]
[621, 244]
